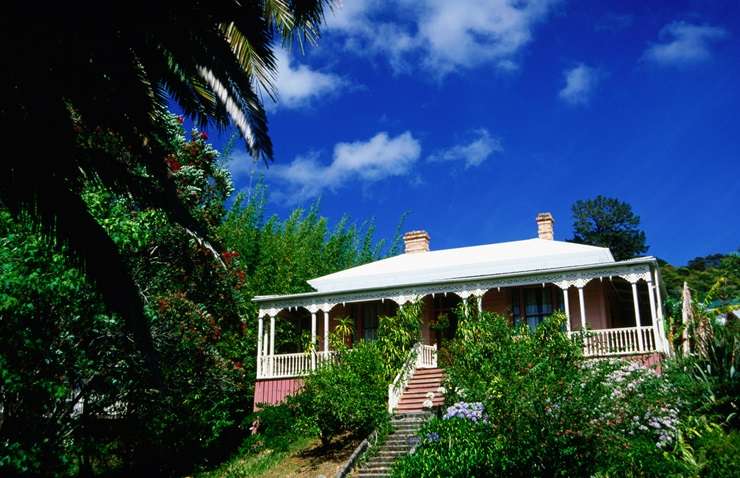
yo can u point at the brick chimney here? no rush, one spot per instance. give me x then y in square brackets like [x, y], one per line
[416, 241]
[544, 226]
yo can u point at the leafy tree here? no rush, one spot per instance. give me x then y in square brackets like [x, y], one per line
[113, 71]
[60, 350]
[702, 274]
[278, 255]
[703, 263]
[608, 222]
[74, 395]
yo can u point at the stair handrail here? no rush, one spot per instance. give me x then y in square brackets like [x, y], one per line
[395, 389]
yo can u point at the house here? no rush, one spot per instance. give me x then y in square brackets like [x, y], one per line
[618, 302]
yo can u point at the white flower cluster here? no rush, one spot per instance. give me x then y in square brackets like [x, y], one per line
[660, 421]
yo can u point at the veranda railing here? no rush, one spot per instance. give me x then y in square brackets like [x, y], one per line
[291, 365]
[620, 341]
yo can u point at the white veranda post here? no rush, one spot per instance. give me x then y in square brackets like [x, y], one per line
[582, 304]
[637, 317]
[272, 343]
[326, 330]
[566, 305]
[659, 306]
[653, 317]
[313, 340]
[260, 327]
[265, 349]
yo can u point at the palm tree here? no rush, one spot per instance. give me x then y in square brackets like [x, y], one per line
[113, 66]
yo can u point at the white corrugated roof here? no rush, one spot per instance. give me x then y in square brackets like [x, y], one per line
[463, 262]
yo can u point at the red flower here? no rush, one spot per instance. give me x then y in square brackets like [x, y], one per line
[173, 163]
[180, 119]
[229, 256]
[241, 276]
[203, 135]
[237, 364]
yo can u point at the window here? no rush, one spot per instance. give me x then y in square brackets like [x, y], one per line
[370, 320]
[531, 305]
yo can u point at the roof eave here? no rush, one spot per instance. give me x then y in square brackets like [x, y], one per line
[606, 265]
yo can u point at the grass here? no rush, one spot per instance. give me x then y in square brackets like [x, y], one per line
[302, 458]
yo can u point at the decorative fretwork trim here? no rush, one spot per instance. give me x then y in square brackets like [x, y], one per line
[463, 289]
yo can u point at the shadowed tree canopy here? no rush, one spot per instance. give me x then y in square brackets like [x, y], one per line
[608, 222]
[111, 67]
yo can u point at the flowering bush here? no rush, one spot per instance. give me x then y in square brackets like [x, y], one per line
[474, 412]
[534, 407]
[453, 447]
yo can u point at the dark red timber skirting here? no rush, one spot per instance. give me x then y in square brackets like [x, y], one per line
[275, 390]
[649, 360]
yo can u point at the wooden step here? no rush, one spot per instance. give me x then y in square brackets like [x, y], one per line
[425, 381]
[426, 373]
[418, 405]
[406, 399]
[415, 407]
[437, 372]
[434, 386]
[420, 392]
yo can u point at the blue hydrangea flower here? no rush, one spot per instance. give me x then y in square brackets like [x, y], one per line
[473, 412]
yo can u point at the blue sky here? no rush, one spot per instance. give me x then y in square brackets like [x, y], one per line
[474, 116]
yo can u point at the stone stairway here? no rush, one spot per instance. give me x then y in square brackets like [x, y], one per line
[408, 419]
[399, 442]
[423, 381]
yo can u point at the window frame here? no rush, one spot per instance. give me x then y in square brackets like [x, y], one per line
[519, 305]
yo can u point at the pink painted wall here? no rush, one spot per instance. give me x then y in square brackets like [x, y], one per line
[274, 391]
[597, 316]
[652, 360]
[498, 301]
[428, 315]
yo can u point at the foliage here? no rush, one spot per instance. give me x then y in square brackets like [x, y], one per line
[275, 428]
[396, 336]
[346, 395]
[608, 222]
[209, 59]
[708, 380]
[278, 256]
[455, 448]
[76, 396]
[525, 403]
[56, 345]
[702, 275]
[713, 356]
[717, 452]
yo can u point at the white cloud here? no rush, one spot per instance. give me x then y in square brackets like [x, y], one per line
[378, 158]
[684, 43]
[482, 147]
[298, 85]
[440, 35]
[580, 82]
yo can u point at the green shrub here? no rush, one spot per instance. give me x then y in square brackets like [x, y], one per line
[550, 412]
[397, 335]
[452, 448]
[348, 395]
[719, 453]
[277, 428]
